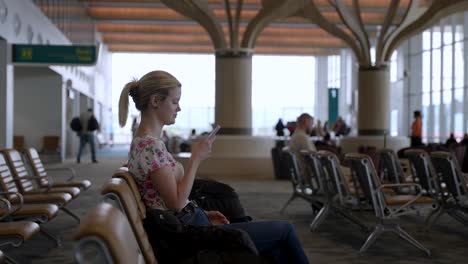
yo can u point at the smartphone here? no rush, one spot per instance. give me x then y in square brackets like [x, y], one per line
[214, 131]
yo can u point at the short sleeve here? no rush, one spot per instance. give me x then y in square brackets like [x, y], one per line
[154, 156]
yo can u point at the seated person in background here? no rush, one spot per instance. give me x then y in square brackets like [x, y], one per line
[451, 140]
[326, 141]
[165, 185]
[301, 141]
[317, 130]
[340, 127]
[464, 141]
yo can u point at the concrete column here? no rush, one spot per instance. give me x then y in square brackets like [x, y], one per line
[374, 101]
[6, 96]
[233, 106]
[321, 88]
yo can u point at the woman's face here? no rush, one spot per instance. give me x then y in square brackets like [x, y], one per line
[167, 109]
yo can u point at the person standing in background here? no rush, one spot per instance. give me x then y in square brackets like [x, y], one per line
[416, 129]
[89, 124]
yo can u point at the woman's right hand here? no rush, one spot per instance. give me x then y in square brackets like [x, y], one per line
[201, 149]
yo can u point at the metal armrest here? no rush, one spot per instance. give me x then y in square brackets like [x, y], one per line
[7, 206]
[71, 170]
[21, 200]
[394, 212]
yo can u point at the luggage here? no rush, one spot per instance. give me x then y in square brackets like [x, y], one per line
[216, 196]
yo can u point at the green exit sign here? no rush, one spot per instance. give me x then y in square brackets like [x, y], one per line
[54, 54]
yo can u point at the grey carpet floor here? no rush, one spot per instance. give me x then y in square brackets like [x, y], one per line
[336, 241]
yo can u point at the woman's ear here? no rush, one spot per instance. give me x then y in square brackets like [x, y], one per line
[154, 101]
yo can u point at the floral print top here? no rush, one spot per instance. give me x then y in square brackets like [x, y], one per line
[146, 155]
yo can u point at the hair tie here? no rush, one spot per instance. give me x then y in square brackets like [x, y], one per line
[133, 90]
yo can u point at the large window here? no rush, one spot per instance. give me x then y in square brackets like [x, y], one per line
[442, 91]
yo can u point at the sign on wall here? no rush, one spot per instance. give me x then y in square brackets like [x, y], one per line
[54, 54]
[332, 106]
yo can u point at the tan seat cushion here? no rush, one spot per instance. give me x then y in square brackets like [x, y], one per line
[83, 185]
[73, 191]
[60, 199]
[24, 229]
[402, 199]
[49, 210]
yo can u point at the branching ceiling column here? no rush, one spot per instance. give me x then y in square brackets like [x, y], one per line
[233, 105]
[402, 20]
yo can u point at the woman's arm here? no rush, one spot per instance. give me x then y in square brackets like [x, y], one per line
[173, 193]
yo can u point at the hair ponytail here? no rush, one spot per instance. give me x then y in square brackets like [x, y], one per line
[123, 102]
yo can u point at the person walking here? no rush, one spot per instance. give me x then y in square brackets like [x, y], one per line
[89, 124]
[416, 129]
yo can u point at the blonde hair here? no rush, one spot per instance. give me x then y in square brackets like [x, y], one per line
[153, 83]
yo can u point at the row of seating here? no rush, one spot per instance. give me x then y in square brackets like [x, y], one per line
[32, 196]
[440, 188]
[113, 231]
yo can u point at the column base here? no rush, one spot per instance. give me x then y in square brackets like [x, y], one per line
[352, 143]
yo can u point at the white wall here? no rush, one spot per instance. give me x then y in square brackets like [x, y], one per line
[37, 104]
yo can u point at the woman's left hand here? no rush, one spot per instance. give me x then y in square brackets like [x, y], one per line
[217, 218]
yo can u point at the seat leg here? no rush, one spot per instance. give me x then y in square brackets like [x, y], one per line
[458, 216]
[322, 214]
[294, 196]
[378, 230]
[403, 234]
[49, 234]
[432, 217]
[9, 260]
[66, 210]
[353, 219]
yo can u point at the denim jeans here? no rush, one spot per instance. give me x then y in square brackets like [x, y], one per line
[276, 239]
[87, 138]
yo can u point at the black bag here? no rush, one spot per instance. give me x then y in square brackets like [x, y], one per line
[216, 196]
[75, 124]
[174, 242]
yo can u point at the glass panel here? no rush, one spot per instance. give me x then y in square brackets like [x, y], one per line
[448, 35]
[436, 98]
[393, 67]
[447, 67]
[436, 38]
[425, 99]
[447, 96]
[426, 74]
[436, 124]
[394, 123]
[436, 67]
[459, 65]
[426, 40]
[459, 32]
[458, 125]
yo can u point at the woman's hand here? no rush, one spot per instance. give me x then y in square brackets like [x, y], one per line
[217, 218]
[201, 149]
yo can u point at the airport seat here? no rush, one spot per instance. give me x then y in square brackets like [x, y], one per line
[300, 188]
[18, 142]
[393, 171]
[387, 208]
[16, 232]
[117, 192]
[50, 144]
[124, 174]
[44, 180]
[339, 198]
[105, 236]
[9, 184]
[447, 167]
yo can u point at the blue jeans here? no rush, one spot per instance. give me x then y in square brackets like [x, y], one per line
[84, 139]
[276, 239]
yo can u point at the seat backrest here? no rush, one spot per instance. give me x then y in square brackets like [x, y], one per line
[128, 177]
[119, 188]
[106, 230]
[19, 170]
[338, 184]
[292, 167]
[32, 157]
[446, 165]
[7, 182]
[424, 171]
[51, 143]
[318, 182]
[391, 166]
[363, 168]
